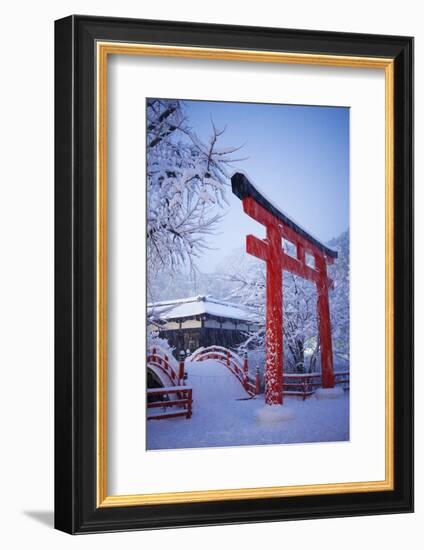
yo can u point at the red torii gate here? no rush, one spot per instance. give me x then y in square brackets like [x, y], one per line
[278, 227]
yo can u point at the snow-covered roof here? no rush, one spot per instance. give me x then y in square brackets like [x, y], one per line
[199, 305]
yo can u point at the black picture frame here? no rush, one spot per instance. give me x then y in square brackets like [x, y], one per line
[76, 509]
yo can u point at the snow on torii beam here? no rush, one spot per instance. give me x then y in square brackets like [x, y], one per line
[278, 226]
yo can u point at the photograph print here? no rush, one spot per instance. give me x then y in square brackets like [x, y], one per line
[247, 274]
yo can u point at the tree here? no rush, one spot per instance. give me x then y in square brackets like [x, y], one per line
[301, 343]
[186, 184]
[339, 298]
[299, 315]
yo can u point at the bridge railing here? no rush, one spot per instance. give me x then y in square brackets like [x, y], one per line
[175, 401]
[159, 358]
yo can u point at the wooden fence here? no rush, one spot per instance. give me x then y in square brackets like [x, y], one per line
[174, 401]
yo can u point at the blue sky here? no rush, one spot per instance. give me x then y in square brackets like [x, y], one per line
[297, 155]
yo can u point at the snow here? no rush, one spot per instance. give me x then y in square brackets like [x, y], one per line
[274, 414]
[213, 382]
[221, 351]
[329, 393]
[224, 416]
[177, 301]
[200, 305]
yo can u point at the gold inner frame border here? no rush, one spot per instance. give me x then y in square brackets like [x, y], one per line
[103, 50]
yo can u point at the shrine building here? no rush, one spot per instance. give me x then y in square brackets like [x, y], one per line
[201, 321]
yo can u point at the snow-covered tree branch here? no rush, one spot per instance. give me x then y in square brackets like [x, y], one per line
[186, 186]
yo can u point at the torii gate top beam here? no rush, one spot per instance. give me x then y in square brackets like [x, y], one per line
[243, 189]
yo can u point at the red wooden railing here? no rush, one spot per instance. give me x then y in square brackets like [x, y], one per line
[158, 358]
[342, 378]
[304, 385]
[239, 367]
[178, 399]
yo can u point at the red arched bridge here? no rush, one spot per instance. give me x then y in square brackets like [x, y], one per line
[170, 383]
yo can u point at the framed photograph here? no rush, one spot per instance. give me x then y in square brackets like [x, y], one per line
[234, 274]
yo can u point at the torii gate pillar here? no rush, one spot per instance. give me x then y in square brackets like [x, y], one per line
[323, 306]
[274, 322]
[279, 227]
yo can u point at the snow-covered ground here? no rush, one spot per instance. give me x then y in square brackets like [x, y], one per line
[222, 416]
